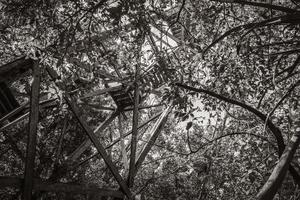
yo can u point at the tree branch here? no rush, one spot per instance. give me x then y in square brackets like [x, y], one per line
[275, 180]
[261, 5]
[276, 132]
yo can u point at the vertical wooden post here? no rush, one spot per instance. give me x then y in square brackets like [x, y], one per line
[134, 130]
[31, 141]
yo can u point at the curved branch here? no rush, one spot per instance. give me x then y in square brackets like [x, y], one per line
[274, 20]
[276, 132]
[261, 5]
[263, 117]
[232, 134]
[243, 133]
[180, 10]
[275, 180]
[284, 97]
[292, 51]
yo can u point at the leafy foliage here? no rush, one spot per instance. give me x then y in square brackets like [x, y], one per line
[210, 148]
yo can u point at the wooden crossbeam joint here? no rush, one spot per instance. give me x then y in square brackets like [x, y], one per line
[99, 147]
[112, 167]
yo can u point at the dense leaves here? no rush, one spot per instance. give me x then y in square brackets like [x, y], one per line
[229, 69]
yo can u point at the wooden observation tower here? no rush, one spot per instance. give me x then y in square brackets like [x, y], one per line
[127, 96]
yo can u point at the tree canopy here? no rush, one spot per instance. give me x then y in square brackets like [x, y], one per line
[150, 99]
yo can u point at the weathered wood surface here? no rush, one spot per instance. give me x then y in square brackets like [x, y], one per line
[125, 135]
[134, 134]
[112, 167]
[87, 143]
[90, 133]
[33, 127]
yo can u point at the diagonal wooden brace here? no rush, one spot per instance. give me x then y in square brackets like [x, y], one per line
[112, 167]
[87, 143]
[119, 139]
[154, 134]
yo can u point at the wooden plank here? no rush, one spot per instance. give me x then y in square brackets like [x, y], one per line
[155, 132]
[22, 107]
[112, 167]
[87, 143]
[43, 105]
[143, 107]
[97, 106]
[39, 185]
[179, 43]
[166, 33]
[31, 141]
[134, 129]
[13, 122]
[13, 112]
[101, 91]
[161, 39]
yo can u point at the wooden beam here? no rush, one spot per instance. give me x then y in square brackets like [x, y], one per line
[33, 126]
[122, 145]
[43, 105]
[134, 129]
[153, 46]
[155, 132]
[143, 107]
[112, 167]
[161, 39]
[21, 64]
[40, 185]
[15, 121]
[87, 143]
[166, 33]
[101, 91]
[179, 43]
[13, 112]
[60, 140]
[118, 140]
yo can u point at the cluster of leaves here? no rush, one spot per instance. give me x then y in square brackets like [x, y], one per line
[232, 51]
